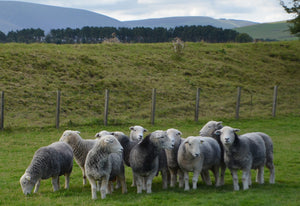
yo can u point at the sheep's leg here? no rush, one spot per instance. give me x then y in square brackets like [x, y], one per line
[260, 175]
[180, 178]
[245, 179]
[133, 182]
[195, 179]
[123, 184]
[250, 178]
[186, 181]
[173, 174]
[67, 180]
[139, 183]
[205, 177]
[216, 175]
[272, 173]
[93, 184]
[37, 186]
[83, 175]
[55, 183]
[235, 180]
[164, 174]
[222, 175]
[149, 180]
[104, 185]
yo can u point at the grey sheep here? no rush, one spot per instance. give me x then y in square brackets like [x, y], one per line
[53, 161]
[243, 152]
[144, 158]
[208, 130]
[171, 155]
[199, 154]
[80, 148]
[104, 164]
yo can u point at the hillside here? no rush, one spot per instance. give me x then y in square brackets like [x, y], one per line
[32, 73]
[16, 15]
[268, 31]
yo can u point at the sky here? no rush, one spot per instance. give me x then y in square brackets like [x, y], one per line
[261, 11]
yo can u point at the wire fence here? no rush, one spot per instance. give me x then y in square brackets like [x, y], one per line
[53, 108]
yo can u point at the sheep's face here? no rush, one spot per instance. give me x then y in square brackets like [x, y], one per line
[227, 135]
[192, 145]
[137, 133]
[27, 184]
[162, 140]
[209, 128]
[102, 133]
[174, 135]
[111, 144]
[70, 136]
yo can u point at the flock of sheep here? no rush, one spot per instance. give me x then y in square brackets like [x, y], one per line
[102, 159]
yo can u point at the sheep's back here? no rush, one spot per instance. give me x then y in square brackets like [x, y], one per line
[211, 152]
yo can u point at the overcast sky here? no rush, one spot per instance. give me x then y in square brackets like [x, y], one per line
[123, 10]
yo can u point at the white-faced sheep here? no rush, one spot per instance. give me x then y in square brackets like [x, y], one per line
[80, 148]
[137, 133]
[172, 157]
[104, 164]
[53, 161]
[144, 158]
[208, 130]
[244, 152]
[199, 154]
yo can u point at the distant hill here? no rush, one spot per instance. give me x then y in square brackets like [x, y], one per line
[268, 31]
[170, 22]
[20, 15]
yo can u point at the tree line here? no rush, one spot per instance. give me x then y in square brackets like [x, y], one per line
[126, 35]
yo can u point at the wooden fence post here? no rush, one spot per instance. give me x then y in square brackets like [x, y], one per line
[197, 105]
[153, 106]
[238, 101]
[274, 101]
[2, 111]
[106, 106]
[57, 110]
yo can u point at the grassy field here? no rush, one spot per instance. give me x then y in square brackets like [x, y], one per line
[273, 31]
[31, 74]
[17, 148]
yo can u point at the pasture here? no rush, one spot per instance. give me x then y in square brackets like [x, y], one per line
[18, 146]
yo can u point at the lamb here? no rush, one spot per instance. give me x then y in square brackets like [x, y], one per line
[53, 161]
[243, 152]
[80, 148]
[199, 154]
[208, 130]
[104, 164]
[144, 158]
[137, 133]
[172, 154]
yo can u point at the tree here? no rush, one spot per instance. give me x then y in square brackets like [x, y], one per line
[243, 38]
[293, 8]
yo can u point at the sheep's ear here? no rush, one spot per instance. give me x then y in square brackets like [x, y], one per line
[77, 132]
[97, 135]
[131, 128]
[236, 130]
[180, 133]
[217, 132]
[27, 177]
[219, 125]
[145, 130]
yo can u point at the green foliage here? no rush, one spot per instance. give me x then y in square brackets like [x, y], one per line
[293, 7]
[243, 38]
[18, 146]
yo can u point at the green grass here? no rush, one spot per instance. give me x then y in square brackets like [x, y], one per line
[32, 73]
[273, 31]
[17, 148]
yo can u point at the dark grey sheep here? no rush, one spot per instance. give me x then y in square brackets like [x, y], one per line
[199, 154]
[80, 148]
[144, 158]
[244, 152]
[53, 161]
[104, 164]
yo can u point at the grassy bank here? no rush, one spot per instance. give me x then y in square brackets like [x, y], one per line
[31, 74]
[17, 148]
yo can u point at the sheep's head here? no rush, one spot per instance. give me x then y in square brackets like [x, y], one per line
[160, 138]
[227, 135]
[137, 133]
[174, 134]
[111, 144]
[102, 133]
[209, 128]
[70, 137]
[192, 145]
[27, 183]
